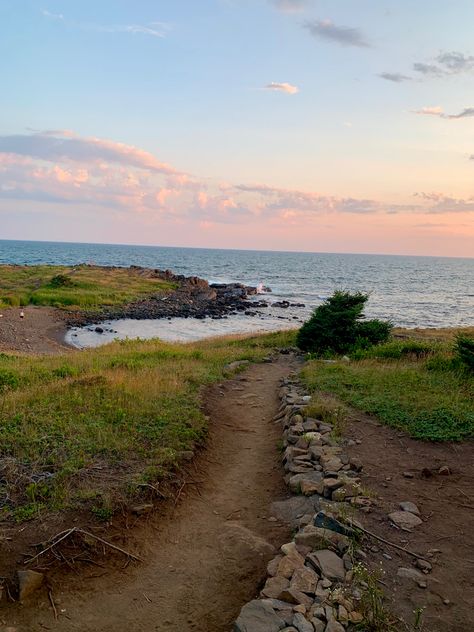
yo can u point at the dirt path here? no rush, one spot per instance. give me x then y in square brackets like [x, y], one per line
[41, 330]
[207, 559]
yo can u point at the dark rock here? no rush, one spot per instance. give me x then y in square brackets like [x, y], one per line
[257, 616]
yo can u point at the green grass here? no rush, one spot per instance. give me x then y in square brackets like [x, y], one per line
[82, 286]
[88, 428]
[415, 386]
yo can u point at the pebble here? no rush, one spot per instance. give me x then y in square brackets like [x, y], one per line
[408, 475]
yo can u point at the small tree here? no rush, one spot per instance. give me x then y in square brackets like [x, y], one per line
[337, 326]
[464, 350]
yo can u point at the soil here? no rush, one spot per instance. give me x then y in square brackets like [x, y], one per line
[205, 557]
[40, 331]
[445, 538]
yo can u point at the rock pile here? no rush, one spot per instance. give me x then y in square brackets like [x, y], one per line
[310, 585]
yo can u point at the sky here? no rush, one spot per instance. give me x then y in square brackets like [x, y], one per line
[312, 125]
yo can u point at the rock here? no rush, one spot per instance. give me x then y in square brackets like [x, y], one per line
[272, 566]
[356, 464]
[355, 617]
[348, 490]
[304, 579]
[324, 521]
[140, 510]
[424, 566]
[257, 616]
[317, 538]
[308, 488]
[29, 582]
[302, 624]
[444, 470]
[237, 364]
[404, 519]
[295, 481]
[236, 541]
[289, 510]
[408, 475]
[410, 573]
[334, 626]
[274, 587]
[411, 507]
[288, 565]
[318, 625]
[99, 330]
[329, 564]
[290, 595]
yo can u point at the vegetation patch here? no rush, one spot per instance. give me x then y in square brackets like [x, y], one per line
[421, 388]
[88, 429]
[81, 286]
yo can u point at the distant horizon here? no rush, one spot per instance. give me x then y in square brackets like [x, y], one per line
[309, 252]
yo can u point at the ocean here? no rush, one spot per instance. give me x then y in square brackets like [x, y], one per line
[410, 291]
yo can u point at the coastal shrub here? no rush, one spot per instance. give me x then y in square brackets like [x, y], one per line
[61, 280]
[399, 349]
[464, 350]
[337, 326]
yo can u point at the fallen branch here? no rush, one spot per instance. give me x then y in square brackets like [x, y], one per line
[63, 534]
[395, 546]
[109, 544]
[51, 600]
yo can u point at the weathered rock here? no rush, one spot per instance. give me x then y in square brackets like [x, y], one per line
[424, 565]
[348, 490]
[328, 564]
[411, 507]
[274, 587]
[308, 488]
[317, 538]
[272, 566]
[295, 481]
[305, 580]
[410, 573]
[257, 616]
[292, 595]
[289, 510]
[29, 582]
[404, 519]
[334, 626]
[302, 624]
[288, 565]
[318, 625]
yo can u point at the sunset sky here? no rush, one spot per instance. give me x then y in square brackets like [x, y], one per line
[314, 125]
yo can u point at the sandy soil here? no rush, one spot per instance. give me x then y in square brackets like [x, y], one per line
[207, 556]
[40, 331]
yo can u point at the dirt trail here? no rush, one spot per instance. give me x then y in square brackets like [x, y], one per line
[207, 559]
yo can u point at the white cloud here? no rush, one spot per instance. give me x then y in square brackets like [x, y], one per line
[288, 88]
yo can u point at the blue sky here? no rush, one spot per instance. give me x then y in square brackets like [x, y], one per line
[189, 83]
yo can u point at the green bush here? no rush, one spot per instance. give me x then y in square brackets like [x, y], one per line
[464, 350]
[337, 326]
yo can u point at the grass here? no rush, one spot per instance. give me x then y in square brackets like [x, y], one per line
[412, 384]
[81, 286]
[87, 429]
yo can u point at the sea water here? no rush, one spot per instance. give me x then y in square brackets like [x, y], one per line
[411, 291]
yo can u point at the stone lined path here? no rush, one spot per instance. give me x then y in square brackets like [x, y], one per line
[207, 558]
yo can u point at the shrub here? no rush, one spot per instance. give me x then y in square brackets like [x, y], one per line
[336, 327]
[61, 280]
[464, 350]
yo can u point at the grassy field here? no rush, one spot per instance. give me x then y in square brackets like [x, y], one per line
[413, 383]
[88, 429]
[76, 286]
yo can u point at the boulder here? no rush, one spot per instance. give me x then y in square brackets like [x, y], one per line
[274, 587]
[328, 564]
[29, 582]
[404, 519]
[305, 580]
[257, 616]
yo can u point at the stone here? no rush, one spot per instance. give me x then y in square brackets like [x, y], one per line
[288, 565]
[424, 566]
[305, 580]
[237, 364]
[349, 490]
[411, 507]
[317, 538]
[140, 510]
[404, 519]
[329, 564]
[355, 617]
[29, 582]
[308, 488]
[257, 616]
[236, 541]
[342, 614]
[290, 595]
[410, 573]
[272, 566]
[334, 626]
[444, 470]
[331, 484]
[408, 475]
[356, 464]
[274, 587]
[302, 624]
[295, 481]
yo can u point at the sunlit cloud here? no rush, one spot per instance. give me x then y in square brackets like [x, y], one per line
[343, 35]
[288, 88]
[438, 111]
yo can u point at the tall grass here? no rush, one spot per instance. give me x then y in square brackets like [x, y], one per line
[75, 286]
[89, 427]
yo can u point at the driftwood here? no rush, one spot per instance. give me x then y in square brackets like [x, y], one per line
[395, 546]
